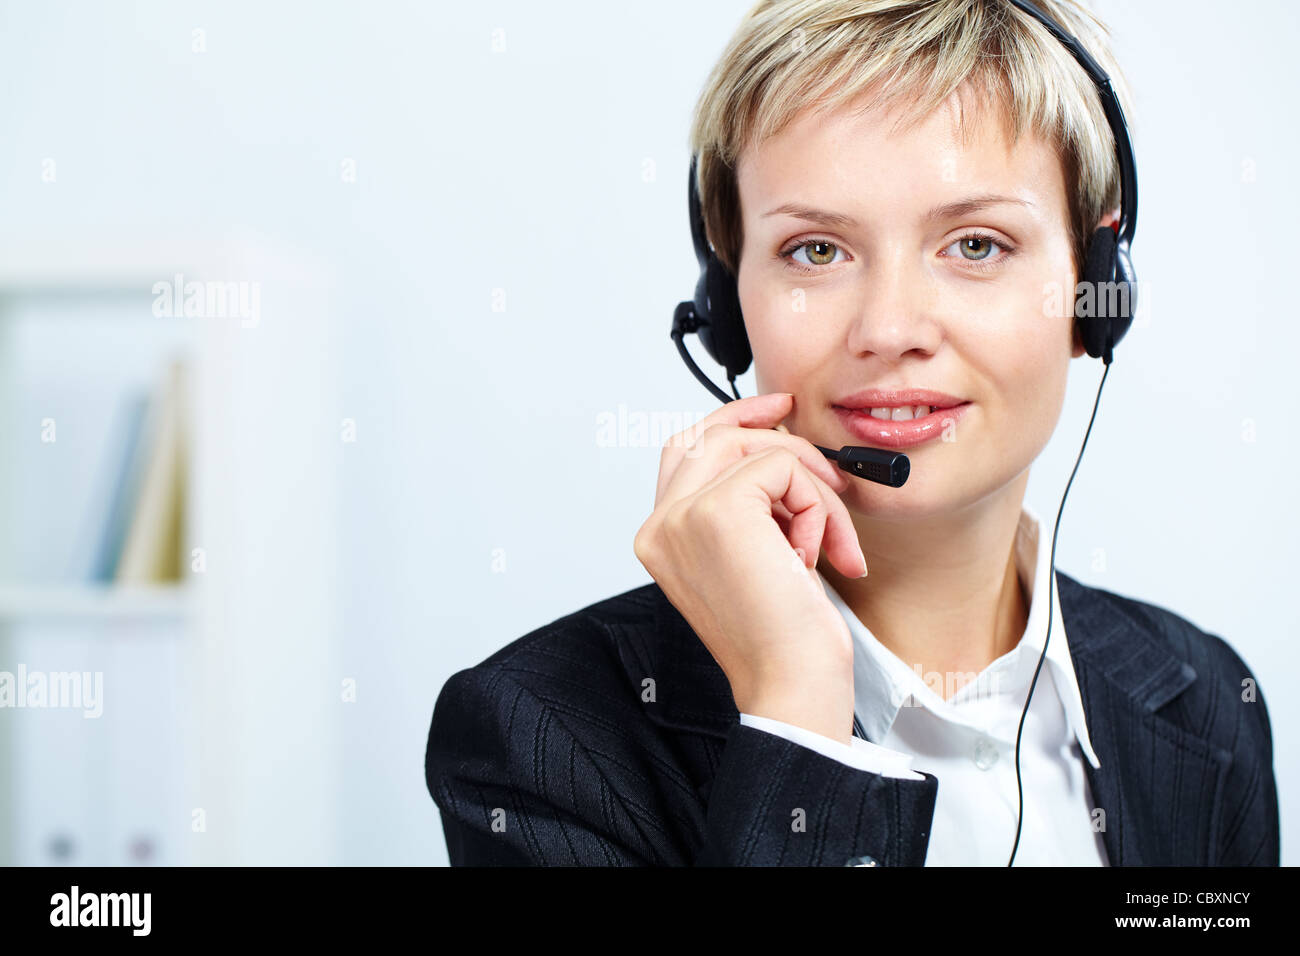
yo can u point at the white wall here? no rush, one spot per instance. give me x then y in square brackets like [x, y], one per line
[522, 170]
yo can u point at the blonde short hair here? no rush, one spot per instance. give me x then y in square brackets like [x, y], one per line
[790, 54]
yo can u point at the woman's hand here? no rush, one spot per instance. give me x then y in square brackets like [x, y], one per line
[741, 515]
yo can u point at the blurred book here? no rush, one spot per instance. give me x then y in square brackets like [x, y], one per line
[125, 477]
[155, 536]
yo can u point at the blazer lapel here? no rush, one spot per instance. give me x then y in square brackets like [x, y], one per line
[1159, 784]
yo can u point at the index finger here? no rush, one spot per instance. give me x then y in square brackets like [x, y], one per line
[757, 411]
[723, 444]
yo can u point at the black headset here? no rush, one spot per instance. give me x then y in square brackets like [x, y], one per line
[1107, 281]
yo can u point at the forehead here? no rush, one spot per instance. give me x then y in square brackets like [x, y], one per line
[853, 159]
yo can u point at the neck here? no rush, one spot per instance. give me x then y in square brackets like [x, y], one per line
[943, 593]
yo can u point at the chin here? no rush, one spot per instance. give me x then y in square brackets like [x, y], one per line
[916, 499]
[933, 489]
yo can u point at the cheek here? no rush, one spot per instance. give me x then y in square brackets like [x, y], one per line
[789, 348]
[1028, 338]
[1027, 365]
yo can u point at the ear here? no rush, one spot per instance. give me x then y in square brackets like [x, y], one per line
[1110, 219]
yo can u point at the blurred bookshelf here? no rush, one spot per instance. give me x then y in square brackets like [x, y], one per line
[103, 602]
[179, 537]
[96, 420]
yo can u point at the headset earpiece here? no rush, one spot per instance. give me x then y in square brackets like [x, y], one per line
[717, 300]
[724, 336]
[1090, 301]
[1104, 307]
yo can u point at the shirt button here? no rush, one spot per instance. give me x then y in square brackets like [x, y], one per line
[861, 861]
[986, 753]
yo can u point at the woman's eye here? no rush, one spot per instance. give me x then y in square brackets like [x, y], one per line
[978, 248]
[816, 253]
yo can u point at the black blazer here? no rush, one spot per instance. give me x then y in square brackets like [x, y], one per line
[610, 737]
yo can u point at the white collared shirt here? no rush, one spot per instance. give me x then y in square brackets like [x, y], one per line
[969, 741]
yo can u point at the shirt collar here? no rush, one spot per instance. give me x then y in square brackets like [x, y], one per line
[883, 682]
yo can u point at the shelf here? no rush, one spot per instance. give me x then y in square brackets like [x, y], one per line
[107, 602]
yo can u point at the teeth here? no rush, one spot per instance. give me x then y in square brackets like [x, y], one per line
[902, 413]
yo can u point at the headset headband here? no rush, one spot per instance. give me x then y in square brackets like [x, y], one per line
[1114, 115]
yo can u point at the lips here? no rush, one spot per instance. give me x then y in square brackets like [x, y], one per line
[869, 398]
[887, 433]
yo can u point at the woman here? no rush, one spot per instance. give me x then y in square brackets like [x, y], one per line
[902, 190]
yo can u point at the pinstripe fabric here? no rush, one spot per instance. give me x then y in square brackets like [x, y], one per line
[609, 737]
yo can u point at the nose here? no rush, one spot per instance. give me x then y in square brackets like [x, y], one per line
[897, 311]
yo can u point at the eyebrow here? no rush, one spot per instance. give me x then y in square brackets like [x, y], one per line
[950, 210]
